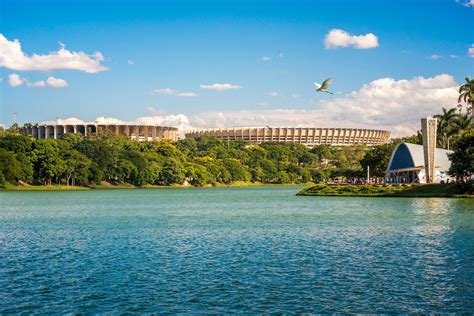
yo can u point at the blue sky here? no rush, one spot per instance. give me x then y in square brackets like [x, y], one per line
[273, 51]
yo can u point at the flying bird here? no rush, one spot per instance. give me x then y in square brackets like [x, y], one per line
[323, 87]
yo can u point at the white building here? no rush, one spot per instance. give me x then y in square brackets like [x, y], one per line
[407, 165]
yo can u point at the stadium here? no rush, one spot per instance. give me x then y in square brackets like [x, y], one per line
[308, 136]
[136, 132]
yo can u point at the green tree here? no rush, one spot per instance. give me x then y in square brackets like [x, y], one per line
[319, 175]
[462, 158]
[377, 159]
[76, 168]
[198, 175]
[26, 166]
[236, 170]
[461, 122]
[140, 175]
[47, 161]
[10, 168]
[17, 143]
[466, 94]
[172, 173]
[446, 126]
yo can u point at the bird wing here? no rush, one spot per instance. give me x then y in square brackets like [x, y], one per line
[317, 85]
[326, 84]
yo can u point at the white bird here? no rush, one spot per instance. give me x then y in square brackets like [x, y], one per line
[323, 87]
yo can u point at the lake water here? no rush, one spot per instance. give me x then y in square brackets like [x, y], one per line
[228, 250]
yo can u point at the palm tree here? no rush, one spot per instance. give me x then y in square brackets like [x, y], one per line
[466, 94]
[461, 122]
[445, 125]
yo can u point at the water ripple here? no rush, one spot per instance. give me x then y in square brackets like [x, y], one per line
[244, 250]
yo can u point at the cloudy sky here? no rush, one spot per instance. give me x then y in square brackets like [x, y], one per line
[234, 63]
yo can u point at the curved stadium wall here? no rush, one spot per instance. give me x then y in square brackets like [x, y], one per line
[136, 132]
[308, 136]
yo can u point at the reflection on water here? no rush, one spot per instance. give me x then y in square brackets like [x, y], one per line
[230, 250]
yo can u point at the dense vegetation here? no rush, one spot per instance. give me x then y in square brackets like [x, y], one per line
[427, 190]
[76, 160]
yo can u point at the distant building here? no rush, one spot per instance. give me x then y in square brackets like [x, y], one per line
[407, 165]
[308, 136]
[411, 163]
[136, 132]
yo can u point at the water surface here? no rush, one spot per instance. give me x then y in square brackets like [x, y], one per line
[227, 250]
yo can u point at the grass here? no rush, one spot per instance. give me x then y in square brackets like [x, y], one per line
[27, 187]
[420, 190]
[109, 186]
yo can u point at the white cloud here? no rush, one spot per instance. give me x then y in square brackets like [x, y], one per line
[15, 80]
[386, 103]
[220, 86]
[273, 94]
[395, 105]
[108, 120]
[187, 94]
[56, 82]
[12, 57]
[435, 57]
[40, 84]
[265, 58]
[340, 38]
[470, 51]
[468, 3]
[164, 91]
[180, 121]
[169, 91]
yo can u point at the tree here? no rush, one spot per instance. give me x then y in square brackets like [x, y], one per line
[377, 159]
[466, 94]
[237, 171]
[462, 158]
[77, 167]
[198, 175]
[47, 160]
[172, 173]
[446, 126]
[319, 175]
[324, 153]
[461, 122]
[17, 143]
[139, 177]
[10, 168]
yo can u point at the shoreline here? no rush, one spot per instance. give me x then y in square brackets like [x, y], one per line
[61, 188]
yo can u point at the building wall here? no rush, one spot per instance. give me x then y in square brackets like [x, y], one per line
[137, 132]
[308, 136]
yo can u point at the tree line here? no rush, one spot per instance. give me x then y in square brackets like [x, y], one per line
[78, 160]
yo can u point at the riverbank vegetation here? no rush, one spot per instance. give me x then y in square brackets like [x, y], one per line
[92, 161]
[419, 190]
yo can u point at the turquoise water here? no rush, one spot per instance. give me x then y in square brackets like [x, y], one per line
[228, 250]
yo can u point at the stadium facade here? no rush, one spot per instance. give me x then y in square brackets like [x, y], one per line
[132, 131]
[308, 136]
